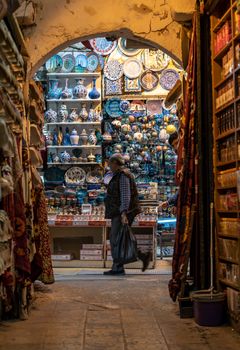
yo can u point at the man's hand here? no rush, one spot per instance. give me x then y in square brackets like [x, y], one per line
[124, 218]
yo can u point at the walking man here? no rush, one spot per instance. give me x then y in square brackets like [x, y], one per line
[122, 205]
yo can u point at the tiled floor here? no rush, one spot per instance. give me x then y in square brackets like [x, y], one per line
[100, 313]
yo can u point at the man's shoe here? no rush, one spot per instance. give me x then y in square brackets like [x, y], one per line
[146, 258]
[114, 273]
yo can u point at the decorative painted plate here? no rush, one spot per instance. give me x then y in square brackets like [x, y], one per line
[81, 60]
[68, 63]
[113, 70]
[112, 107]
[132, 68]
[75, 176]
[113, 87]
[168, 79]
[92, 62]
[54, 64]
[101, 60]
[128, 52]
[154, 106]
[149, 80]
[156, 60]
[102, 46]
[125, 106]
[132, 85]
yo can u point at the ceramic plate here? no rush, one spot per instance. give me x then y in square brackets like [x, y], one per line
[75, 175]
[92, 62]
[112, 107]
[125, 106]
[101, 60]
[81, 60]
[132, 68]
[155, 60]
[113, 87]
[168, 79]
[113, 70]
[102, 46]
[149, 80]
[132, 85]
[54, 64]
[68, 63]
[128, 52]
[154, 106]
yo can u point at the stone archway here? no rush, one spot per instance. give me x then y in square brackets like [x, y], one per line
[58, 24]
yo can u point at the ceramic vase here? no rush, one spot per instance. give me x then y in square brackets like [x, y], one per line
[91, 158]
[94, 94]
[73, 116]
[66, 138]
[84, 137]
[91, 115]
[84, 113]
[92, 139]
[65, 157]
[50, 116]
[54, 91]
[62, 113]
[74, 137]
[67, 92]
[80, 91]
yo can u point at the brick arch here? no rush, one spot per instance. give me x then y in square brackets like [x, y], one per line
[61, 23]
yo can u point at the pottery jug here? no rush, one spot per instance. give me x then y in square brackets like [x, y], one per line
[62, 113]
[92, 139]
[73, 116]
[80, 91]
[54, 91]
[84, 137]
[67, 92]
[74, 137]
[50, 116]
[66, 138]
[94, 94]
[91, 115]
[84, 113]
[65, 157]
[91, 158]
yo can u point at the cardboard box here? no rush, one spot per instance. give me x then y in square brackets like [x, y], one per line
[90, 257]
[62, 257]
[91, 252]
[92, 246]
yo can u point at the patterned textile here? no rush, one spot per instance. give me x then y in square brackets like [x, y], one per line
[125, 192]
[185, 174]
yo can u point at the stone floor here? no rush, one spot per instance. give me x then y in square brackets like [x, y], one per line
[99, 313]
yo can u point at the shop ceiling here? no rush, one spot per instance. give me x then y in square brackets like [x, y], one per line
[51, 25]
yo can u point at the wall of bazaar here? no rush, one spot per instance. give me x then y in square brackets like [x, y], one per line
[60, 23]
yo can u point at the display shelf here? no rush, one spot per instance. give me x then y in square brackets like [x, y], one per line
[222, 235]
[222, 52]
[225, 134]
[224, 211]
[75, 74]
[222, 20]
[230, 284]
[228, 260]
[79, 263]
[229, 162]
[73, 163]
[74, 123]
[73, 100]
[226, 188]
[78, 146]
[136, 97]
[224, 80]
[225, 106]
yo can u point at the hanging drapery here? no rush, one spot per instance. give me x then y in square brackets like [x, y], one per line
[185, 174]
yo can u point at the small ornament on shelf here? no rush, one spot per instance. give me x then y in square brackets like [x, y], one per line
[74, 137]
[66, 138]
[62, 113]
[54, 91]
[84, 137]
[94, 94]
[80, 91]
[84, 113]
[67, 92]
[92, 139]
[73, 116]
[51, 116]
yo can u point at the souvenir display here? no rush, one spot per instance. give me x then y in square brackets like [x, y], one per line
[54, 64]
[168, 79]
[113, 70]
[149, 80]
[154, 106]
[132, 85]
[126, 51]
[80, 91]
[113, 87]
[94, 94]
[74, 138]
[132, 68]
[92, 62]
[125, 106]
[54, 91]
[68, 63]
[67, 92]
[155, 60]
[112, 107]
[81, 63]
[102, 46]
[75, 176]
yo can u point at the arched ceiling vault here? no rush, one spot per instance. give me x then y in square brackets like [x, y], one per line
[60, 23]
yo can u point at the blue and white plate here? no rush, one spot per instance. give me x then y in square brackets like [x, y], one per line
[168, 78]
[81, 60]
[102, 46]
[68, 63]
[125, 106]
[54, 64]
[112, 107]
[113, 70]
[113, 87]
[92, 62]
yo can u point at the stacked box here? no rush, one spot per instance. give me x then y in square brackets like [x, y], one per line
[91, 252]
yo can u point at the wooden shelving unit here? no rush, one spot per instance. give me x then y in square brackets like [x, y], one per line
[226, 128]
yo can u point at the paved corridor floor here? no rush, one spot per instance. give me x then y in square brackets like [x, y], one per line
[99, 313]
